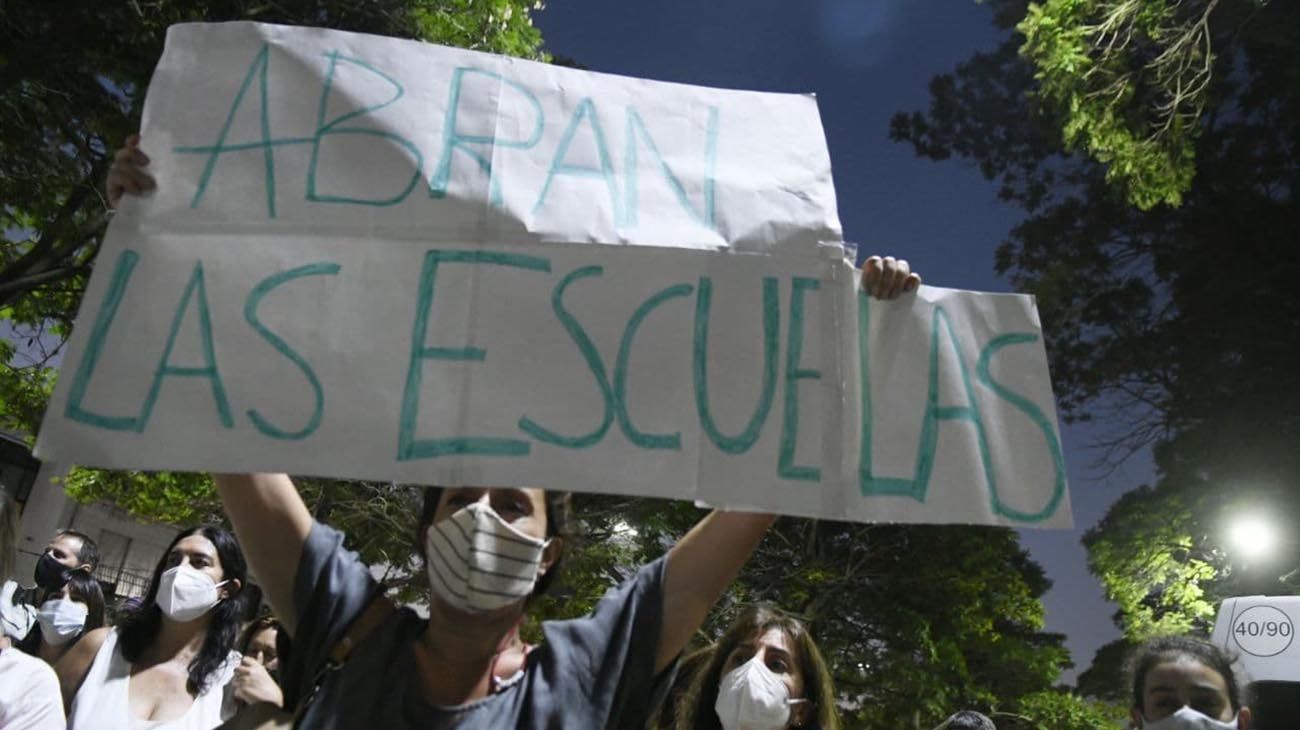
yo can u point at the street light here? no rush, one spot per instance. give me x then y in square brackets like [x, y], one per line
[1252, 537]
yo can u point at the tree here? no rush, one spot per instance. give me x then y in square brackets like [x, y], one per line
[67, 103]
[1130, 81]
[1055, 710]
[1170, 323]
[1104, 679]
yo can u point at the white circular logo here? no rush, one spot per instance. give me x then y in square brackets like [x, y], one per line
[1263, 631]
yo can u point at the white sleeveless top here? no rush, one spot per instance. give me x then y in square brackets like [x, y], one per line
[103, 702]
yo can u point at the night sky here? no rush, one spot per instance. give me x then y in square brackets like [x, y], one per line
[866, 60]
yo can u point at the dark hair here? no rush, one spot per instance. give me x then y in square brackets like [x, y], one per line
[559, 511]
[82, 587]
[967, 720]
[88, 553]
[256, 627]
[1164, 649]
[140, 627]
[696, 709]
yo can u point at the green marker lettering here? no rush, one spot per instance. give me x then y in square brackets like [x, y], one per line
[585, 110]
[453, 140]
[334, 127]
[645, 440]
[591, 356]
[195, 289]
[636, 129]
[408, 445]
[266, 286]
[786, 468]
[1024, 405]
[742, 442]
[117, 284]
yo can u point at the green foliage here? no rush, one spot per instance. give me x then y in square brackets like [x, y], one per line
[1129, 80]
[1144, 554]
[1172, 324]
[496, 26]
[171, 498]
[1053, 710]
[1105, 678]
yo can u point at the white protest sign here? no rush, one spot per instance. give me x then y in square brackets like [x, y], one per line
[381, 259]
[1260, 631]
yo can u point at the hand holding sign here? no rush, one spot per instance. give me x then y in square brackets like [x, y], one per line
[263, 311]
[887, 278]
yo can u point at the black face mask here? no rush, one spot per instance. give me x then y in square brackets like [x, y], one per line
[50, 573]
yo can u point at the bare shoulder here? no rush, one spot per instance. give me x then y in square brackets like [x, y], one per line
[74, 665]
[92, 640]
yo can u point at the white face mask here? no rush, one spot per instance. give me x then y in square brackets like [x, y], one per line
[478, 563]
[61, 619]
[1189, 719]
[752, 697]
[185, 594]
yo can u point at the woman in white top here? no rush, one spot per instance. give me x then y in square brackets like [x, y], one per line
[167, 665]
[29, 692]
[65, 617]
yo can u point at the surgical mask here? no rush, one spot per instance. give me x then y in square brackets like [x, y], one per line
[479, 563]
[61, 619]
[752, 697]
[185, 594]
[1189, 719]
[50, 574]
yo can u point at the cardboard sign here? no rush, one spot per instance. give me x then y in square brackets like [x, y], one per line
[382, 259]
[1260, 631]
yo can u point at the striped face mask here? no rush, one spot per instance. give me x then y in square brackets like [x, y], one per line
[479, 563]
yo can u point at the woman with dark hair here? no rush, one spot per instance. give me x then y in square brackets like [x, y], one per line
[67, 615]
[257, 676]
[1181, 683]
[168, 664]
[765, 673]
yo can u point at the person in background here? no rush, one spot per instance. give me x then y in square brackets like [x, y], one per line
[167, 665]
[765, 673]
[967, 720]
[256, 678]
[29, 690]
[66, 616]
[1182, 683]
[67, 551]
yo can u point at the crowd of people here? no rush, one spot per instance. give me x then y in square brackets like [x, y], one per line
[339, 654]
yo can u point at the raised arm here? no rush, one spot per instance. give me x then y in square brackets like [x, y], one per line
[272, 523]
[700, 567]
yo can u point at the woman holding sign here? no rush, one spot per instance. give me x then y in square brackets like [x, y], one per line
[357, 662]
